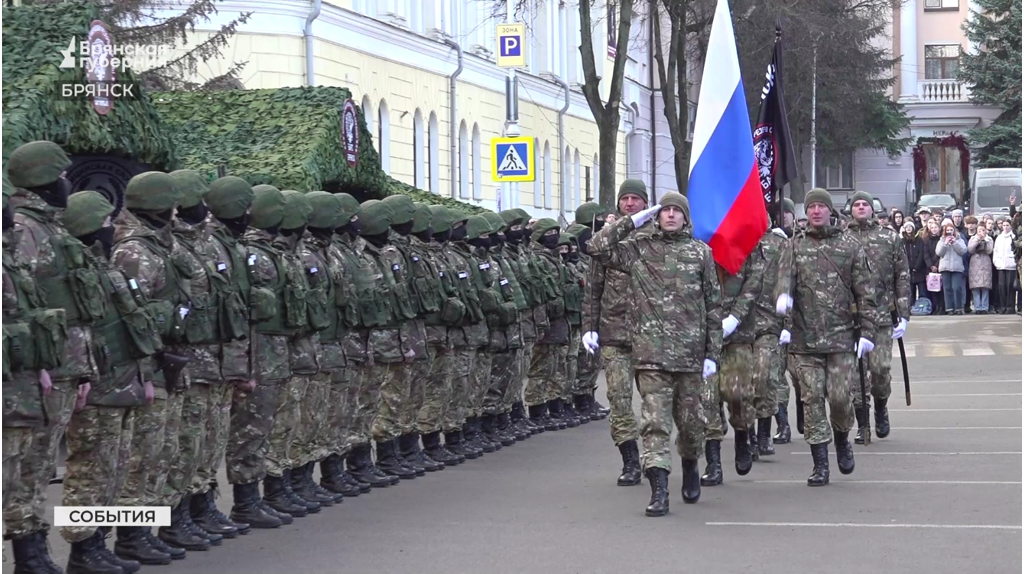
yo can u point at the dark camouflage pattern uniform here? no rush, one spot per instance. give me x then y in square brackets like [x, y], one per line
[678, 325]
[442, 336]
[574, 286]
[532, 320]
[425, 290]
[474, 332]
[587, 366]
[348, 270]
[506, 364]
[547, 367]
[769, 356]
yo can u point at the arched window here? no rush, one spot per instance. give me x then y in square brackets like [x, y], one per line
[384, 136]
[565, 190]
[463, 160]
[418, 145]
[478, 192]
[368, 114]
[433, 142]
[547, 176]
[538, 186]
[576, 201]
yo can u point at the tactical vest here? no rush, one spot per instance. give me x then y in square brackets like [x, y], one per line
[128, 332]
[373, 295]
[170, 307]
[201, 323]
[346, 294]
[277, 308]
[33, 336]
[232, 289]
[426, 286]
[406, 308]
[320, 300]
[572, 291]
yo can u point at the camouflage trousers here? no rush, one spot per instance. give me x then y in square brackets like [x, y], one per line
[572, 365]
[587, 368]
[99, 445]
[787, 377]
[280, 452]
[17, 441]
[393, 381]
[479, 382]
[525, 360]
[666, 398]
[540, 384]
[252, 420]
[767, 371]
[195, 414]
[148, 463]
[458, 406]
[419, 376]
[516, 382]
[618, 373]
[312, 441]
[877, 368]
[214, 443]
[25, 511]
[503, 369]
[368, 378]
[822, 376]
[437, 392]
[735, 387]
[341, 406]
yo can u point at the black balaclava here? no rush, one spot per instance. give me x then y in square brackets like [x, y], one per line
[273, 231]
[322, 233]
[104, 235]
[598, 224]
[549, 241]
[379, 240]
[571, 256]
[482, 242]
[193, 215]
[458, 233]
[443, 237]
[498, 240]
[237, 225]
[352, 228]
[55, 193]
[514, 236]
[156, 220]
[426, 234]
[8, 217]
[403, 229]
[583, 238]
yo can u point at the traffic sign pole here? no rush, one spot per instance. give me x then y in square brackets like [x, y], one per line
[511, 189]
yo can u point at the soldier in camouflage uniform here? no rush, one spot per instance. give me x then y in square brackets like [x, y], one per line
[26, 377]
[677, 337]
[588, 217]
[834, 319]
[607, 312]
[573, 288]
[784, 432]
[50, 256]
[542, 391]
[891, 272]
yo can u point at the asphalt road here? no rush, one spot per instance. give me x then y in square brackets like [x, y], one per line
[941, 494]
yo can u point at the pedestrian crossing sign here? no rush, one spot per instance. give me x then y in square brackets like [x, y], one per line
[512, 159]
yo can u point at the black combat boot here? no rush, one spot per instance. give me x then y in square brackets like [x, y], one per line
[155, 542]
[133, 544]
[212, 538]
[31, 555]
[520, 421]
[819, 476]
[799, 414]
[752, 438]
[247, 508]
[432, 448]
[599, 409]
[658, 477]
[507, 428]
[127, 566]
[844, 452]
[764, 437]
[691, 481]
[881, 418]
[320, 493]
[376, 468]
[538, 415]
[275, 496]
[87, 557]
[217, 515]
[411, 451]
[863, 421]
[453, 443]
[179, 535]
[630, 464]
[471, 433]
[361, 467]
[201, 509]
[409, 462]
[743, 459]
[332, 478]
[390, 464]
[782, 420]
[363, 487]
[713, 472]
[557, 409]
[570, 413]
[487, 433]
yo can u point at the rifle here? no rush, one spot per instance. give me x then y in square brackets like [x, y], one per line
[172, 365]
[903, 358]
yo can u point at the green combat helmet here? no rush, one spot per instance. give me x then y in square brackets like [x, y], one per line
[543, 226]
[267, 207]
[588, 212]
[376, 217]
[229, 197]
[477, 226]
[565, 239]
[497, 222]
[576, 229]
[296, 210]
[152, 191]
[86, 213]
[456, 217]
[349, 208]
[422, 218]
[191, 186]
[403, 208]
[512, 217]
[328, 211]
[36, 164]
[441, 218]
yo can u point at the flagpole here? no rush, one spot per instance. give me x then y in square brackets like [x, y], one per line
[779, 195]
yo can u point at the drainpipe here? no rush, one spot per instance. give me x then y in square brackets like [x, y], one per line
[654, 113]
[453, 119]
[307, 36]
[629, 135]
[561, 142]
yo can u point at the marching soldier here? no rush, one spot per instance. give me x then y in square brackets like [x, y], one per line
[789, 229]
[589, 219]
[884, 249]
[769, 345]
[834, 320]
[677, 337]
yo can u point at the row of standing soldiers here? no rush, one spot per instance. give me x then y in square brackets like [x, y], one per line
[272, 330]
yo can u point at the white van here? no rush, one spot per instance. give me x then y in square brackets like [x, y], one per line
[992, 188]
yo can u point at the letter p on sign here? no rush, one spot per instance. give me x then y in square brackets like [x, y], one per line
[510, 49]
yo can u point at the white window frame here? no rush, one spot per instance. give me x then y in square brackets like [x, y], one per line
[418, 147]
[547, 175]
[577, 178]
[831, 176]
[538, 187]
[384, 136]
[475, 153]
[463, 161]
[368, 114]
[433, 145]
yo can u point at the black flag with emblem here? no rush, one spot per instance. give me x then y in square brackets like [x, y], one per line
[773, 145]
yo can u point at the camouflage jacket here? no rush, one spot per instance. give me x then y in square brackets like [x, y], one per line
[327, 277]
[512, 292]
[40, 232]
[739, 295]
[387, 343]
[887, 261]
[229, 255]
[826, 272]
[193, 242]
[552, 268]
[607, 302]
[766, 321]
[583, 267]
[268, 353]
[429, 290]
[400, 259]
[524, 268]
[304, 347]
[497, 278]
[352, 272]
[441, 326]
[677, 295]
[467, 270]
[23, 397]
[574, 287]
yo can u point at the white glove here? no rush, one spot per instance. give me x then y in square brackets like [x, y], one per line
[864, 346]
[729, 325]
[590, 341]
[783, 304]
[785, 337]
[644, 216]
[710, 368]
[900, 329]
[778, 231]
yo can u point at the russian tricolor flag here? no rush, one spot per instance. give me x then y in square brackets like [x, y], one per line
[724, 190]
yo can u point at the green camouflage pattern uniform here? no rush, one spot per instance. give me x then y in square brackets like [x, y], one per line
[349, 272]
[501, 314]
[588, 366]
[887, 261]
[770, 386]
[532, 318]
[506, 364]
[99, 437]
[826, 270]
[252, 412]
[547, 365]
[678, 325]
[573, 289]
[735, 376]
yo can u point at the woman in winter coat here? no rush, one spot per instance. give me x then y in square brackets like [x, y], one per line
[930, 238]
[1006, 266]
[950, 249]
[980, 272]
[914, 248]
